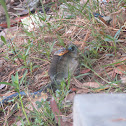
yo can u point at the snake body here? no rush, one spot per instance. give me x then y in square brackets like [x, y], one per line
[5, 102]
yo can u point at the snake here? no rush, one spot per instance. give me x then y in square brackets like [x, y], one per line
[8, 100]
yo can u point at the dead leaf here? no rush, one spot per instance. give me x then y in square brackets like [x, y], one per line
[80, 91]
[77, 83]
[68, 119]
[12, 22]
[87, 84]
[85, 39]
[56, 112]
[70, 97]
[85, 71]
[121, 60]
[92, 84]
[73, 89]
[120, 69]
[123, 79]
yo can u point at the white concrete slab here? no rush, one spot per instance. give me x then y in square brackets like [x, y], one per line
[99, 110]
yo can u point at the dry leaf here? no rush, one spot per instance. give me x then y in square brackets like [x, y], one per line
[92, 84]
[73, 89]
[85, 71]
[77, 83]
[68, 119]
[120, 69]
[121, 60]
[123, 79]
[85, 39]
[56, 112]
[87, 84]
[80, 91]
[70, 97]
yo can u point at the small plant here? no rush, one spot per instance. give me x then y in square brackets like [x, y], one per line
[16, 84]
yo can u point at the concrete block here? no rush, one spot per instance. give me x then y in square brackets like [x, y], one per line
[99, 110]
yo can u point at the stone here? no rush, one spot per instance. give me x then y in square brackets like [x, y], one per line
[99, 110]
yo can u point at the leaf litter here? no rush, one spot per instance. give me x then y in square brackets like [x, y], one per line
[109, 65]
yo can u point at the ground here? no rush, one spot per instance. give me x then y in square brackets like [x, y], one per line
[102, 58]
